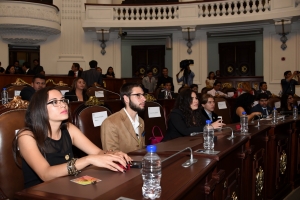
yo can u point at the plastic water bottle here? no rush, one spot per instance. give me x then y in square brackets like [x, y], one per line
[151, 173]
[274, 116]
[244, 122]
[4, 96]
[295, 112]
[208, 136]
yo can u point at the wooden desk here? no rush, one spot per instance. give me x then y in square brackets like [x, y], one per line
[177, 182]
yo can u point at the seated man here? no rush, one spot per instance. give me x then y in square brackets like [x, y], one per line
[194, 87]
[208, 106]
[124, 130]
[263, 88]
[215, 92]
[38, 82]
[262, 105]
[166, 93]
[75, 72]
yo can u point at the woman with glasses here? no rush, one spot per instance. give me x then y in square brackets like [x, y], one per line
[287, 102]
[45, 144]
[186, 118]
[78, 91]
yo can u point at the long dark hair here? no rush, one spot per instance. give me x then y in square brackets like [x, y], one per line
[284, 101]
[37, 120]
[183, 103]
[208, 77]
[73, 87]
[111, 74]
[245, 101]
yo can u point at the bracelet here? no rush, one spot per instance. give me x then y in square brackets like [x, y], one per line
[72, 171]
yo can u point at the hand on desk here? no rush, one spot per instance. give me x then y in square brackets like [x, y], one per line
[218, 124]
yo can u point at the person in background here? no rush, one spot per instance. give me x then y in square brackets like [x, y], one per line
[244, 104]
[187, 78]
[10, 69]
[78, 91]
[194, 87]
[262, 105]
[26, 69]
[110, 73]
[92, 76]
[245, 88]
[287, 102]
[186, 118]
[124, 130]
[166, 92]
[45, 144]
[137, 74]
[215, 92]
[18, 69]
[75, 72]
[208, 106]
[100, 70]
[37, 68]
[38, 83]
[149, 82]
[218, 73]
[2, 70]
[165, 78]
[263, 88]
[210, 80]
[288, 83]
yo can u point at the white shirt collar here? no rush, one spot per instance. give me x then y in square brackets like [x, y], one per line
[134, 123]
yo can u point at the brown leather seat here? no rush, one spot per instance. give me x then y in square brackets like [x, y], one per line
[13, 90]
[11, 176]
[225, 113]
[107, 94]
[73, 105]
[151, 122]
[84, 121]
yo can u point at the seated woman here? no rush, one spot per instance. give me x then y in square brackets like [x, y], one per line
[210, 80]
[244, 104]
[45, 144]
[287, 102]
[110, 73]
[78, 91]
[185, 118]
[10, 69]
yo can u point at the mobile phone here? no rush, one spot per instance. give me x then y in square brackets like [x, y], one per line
[136, 164]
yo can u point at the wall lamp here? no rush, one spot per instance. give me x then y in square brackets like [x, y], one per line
[103, 36]
[283, 28]
[188, 34]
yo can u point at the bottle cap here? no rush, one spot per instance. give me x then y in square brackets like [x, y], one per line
[208, 122]
[151, 148]
[244, 113]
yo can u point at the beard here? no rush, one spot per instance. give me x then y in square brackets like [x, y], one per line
[135, 107]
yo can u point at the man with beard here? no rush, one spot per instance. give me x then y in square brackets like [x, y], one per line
[124, 130]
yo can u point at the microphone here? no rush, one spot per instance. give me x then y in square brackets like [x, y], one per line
[108, 91]
[232, 135]
[186, 163]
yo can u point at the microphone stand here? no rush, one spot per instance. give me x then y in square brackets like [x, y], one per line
[258, 120]
[108, 91]
[232, 135]
[188, 162]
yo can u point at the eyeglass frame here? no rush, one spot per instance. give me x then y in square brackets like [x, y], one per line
[138, 95]
[65, 101]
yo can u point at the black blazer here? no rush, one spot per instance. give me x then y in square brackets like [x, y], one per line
[204, 116]
[71, 73]
[29, 72]
[72, 96]
[27, 92]
[258, 108]
[267, 92]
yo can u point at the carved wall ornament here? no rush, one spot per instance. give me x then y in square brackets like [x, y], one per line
[259, 182]
[17, 103]
[20, 81]
[93, 101]
[150, 98]
[282, 162]
[226, 85]
[233, 196]
[60, 83]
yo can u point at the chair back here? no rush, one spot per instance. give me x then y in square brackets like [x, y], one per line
[224, 112]
[150, 121]
[84, 121]
[11, 176]
[272, 101]
[14, 90]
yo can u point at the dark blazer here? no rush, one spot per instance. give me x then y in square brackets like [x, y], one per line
[177, 126]
[71, 73]
[37, 69]
[72, 96]
[204, 116]
[29, 72]
[27, 92]
[91, 76]
[267, 92]
[258, 108]
[161, 94]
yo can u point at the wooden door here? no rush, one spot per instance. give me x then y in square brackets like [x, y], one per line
[237, 58]
[150, 57]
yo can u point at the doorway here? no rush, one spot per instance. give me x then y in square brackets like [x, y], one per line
[23, 54]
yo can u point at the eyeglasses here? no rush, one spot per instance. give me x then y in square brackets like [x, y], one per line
[56, 102]
[139, 95]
